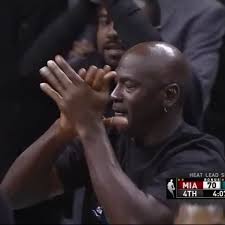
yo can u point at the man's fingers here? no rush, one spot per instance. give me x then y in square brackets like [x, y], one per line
[120, 123]
[51, 79]
[51, 93]
[107, 80]
[107, 68]
[60, 75]
[67, 69]
[98, 80]
[90, 76]
[82, 73]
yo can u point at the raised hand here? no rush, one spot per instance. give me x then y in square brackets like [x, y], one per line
[78, 102]
[119, 123]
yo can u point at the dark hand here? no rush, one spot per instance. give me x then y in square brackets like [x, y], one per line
[79, 104]
[119, 123]
[81, 48]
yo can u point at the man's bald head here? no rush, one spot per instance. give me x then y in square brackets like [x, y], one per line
[158, 61]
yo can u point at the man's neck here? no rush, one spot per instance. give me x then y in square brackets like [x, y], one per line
[162, 129]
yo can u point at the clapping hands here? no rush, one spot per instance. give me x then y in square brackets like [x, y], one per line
[81, 97]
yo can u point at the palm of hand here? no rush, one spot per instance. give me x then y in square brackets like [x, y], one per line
[82, 105]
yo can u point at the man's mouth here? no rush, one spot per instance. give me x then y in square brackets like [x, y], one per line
[113, 45]
[120, 114]
[114, 54]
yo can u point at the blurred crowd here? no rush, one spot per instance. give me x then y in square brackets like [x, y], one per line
[182, 41]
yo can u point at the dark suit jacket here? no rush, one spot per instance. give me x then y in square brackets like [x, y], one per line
[196, 27]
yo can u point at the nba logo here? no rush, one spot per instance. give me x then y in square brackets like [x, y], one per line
[171, 188]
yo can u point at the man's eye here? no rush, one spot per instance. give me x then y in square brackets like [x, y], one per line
[130, 85]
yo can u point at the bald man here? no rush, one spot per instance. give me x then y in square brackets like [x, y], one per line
[124, 171]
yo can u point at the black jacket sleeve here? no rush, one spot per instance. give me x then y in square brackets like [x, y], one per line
[131, 23]
[193, 105]
[57, 37]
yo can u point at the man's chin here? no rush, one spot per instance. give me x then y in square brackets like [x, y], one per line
[112, 57]
[113, 63]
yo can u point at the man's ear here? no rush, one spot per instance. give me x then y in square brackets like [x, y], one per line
[172, 95]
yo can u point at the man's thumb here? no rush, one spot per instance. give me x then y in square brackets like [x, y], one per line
[120, 123]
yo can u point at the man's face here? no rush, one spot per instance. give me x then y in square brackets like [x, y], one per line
[137, 96]
[108, 41]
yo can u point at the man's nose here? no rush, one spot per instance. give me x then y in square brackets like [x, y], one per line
[117, 94]
[112, 33]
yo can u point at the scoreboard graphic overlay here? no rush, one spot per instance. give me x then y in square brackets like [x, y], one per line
[191, 188]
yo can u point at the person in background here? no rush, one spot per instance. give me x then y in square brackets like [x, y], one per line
[73, 22]
[83, 46]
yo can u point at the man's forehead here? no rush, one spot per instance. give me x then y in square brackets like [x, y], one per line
[125, 72]
[138, 67]
[132, 62]
[128, 65]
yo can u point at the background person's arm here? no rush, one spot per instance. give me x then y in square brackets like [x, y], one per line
[57, 37]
